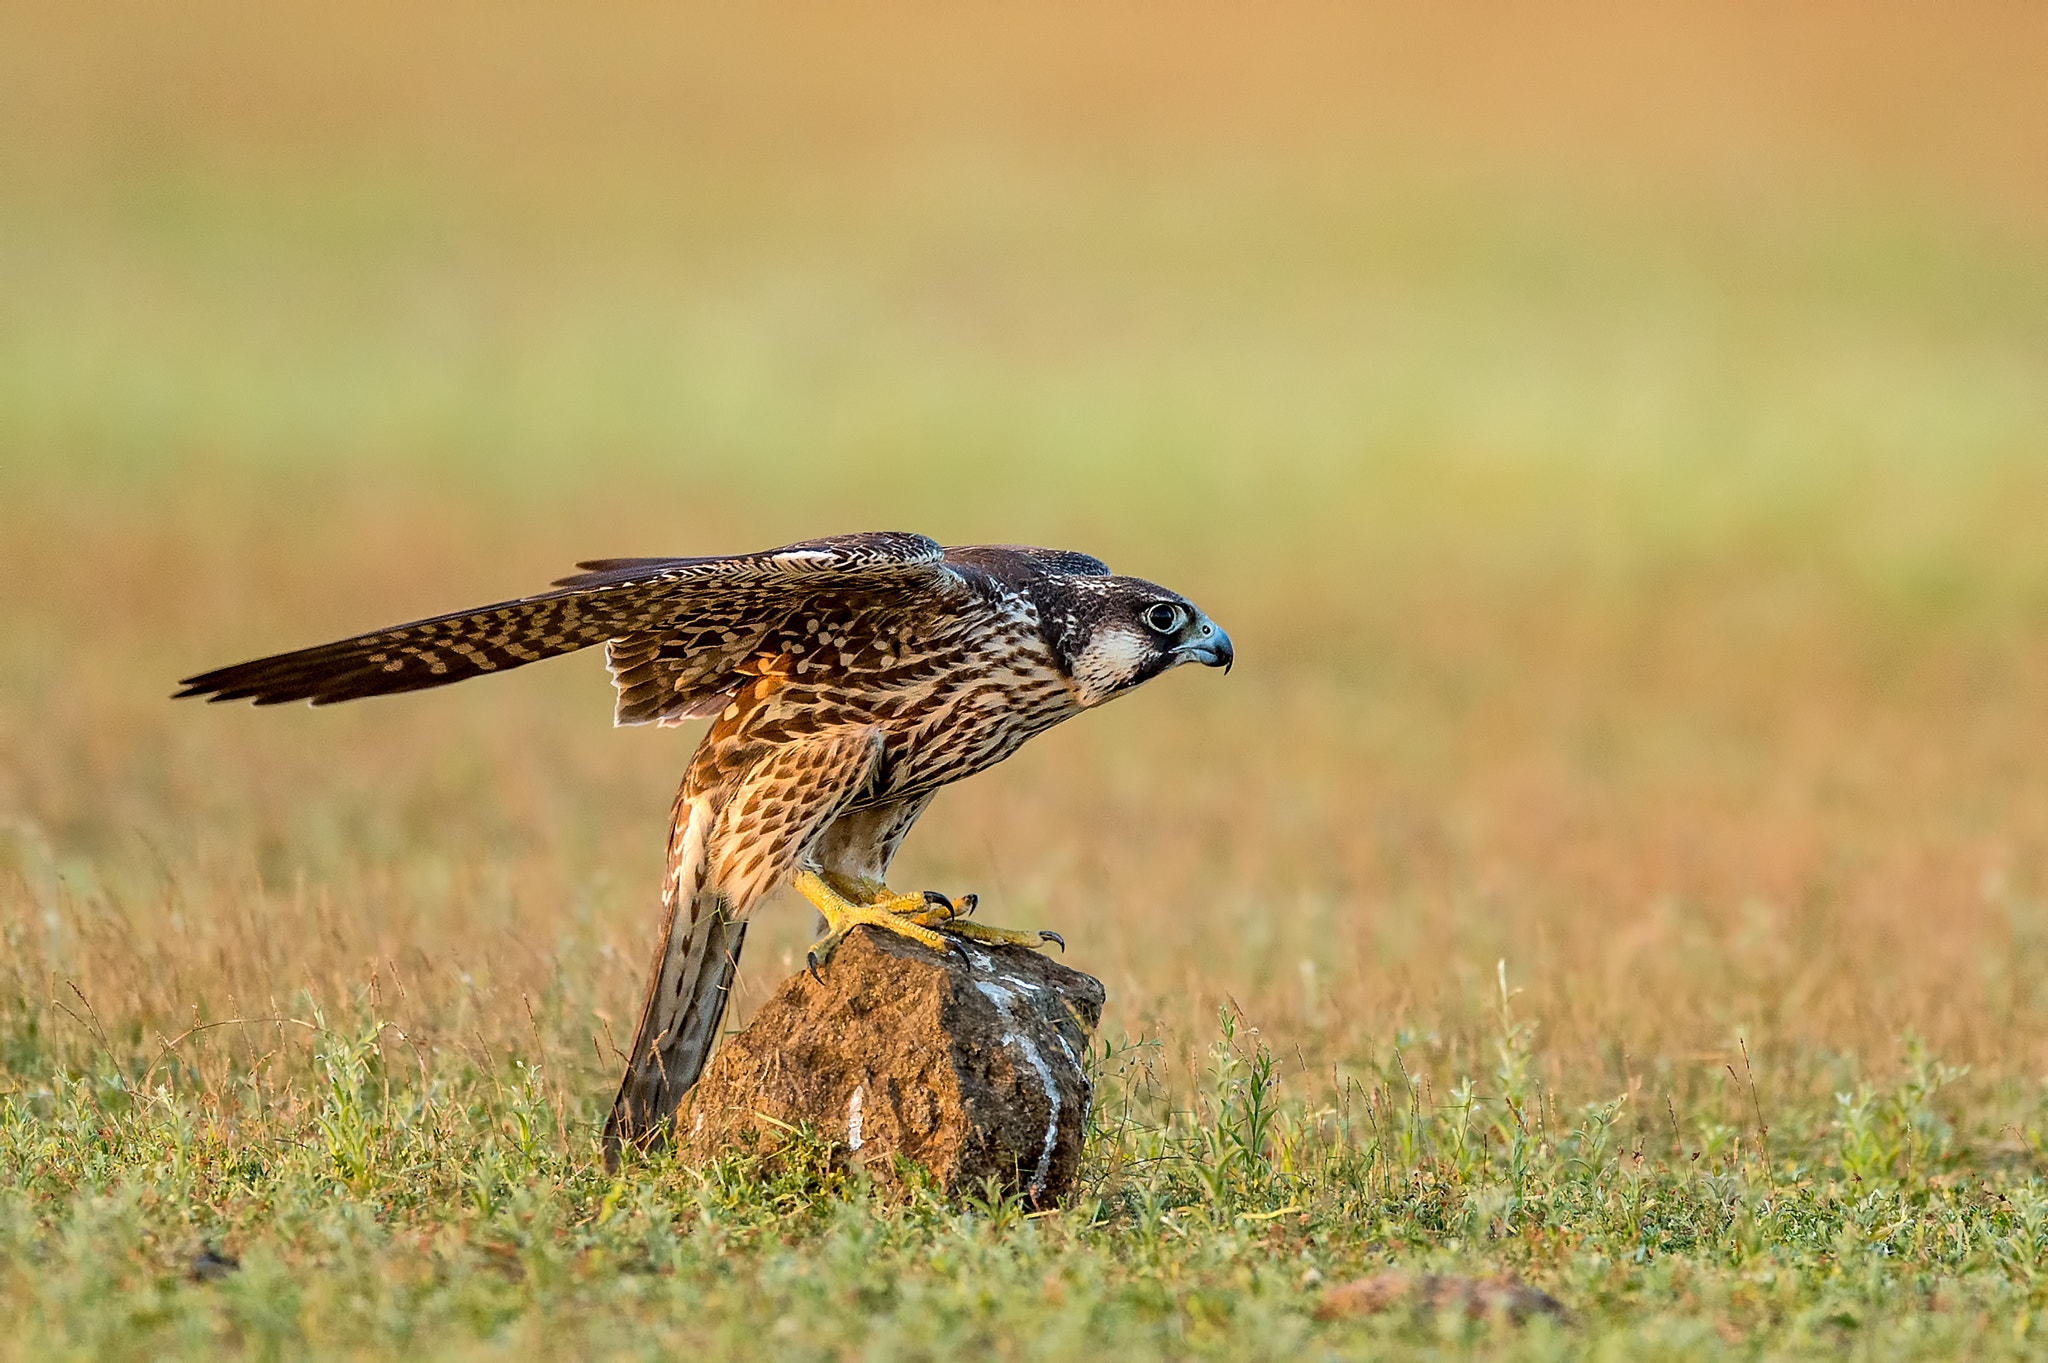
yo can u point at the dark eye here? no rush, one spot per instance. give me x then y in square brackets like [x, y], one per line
[1164, 617]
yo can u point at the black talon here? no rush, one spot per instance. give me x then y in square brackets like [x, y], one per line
[933, 897]
[1055, 938]
[811, 963]
[967, 903]
[960, 949]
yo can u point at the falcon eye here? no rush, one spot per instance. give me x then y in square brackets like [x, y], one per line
[1165, 617]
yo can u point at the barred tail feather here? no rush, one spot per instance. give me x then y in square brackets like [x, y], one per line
[686, 1000]
[687, 987]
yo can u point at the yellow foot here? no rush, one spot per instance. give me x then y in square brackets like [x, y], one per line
[981, 932]
[955, 921]
[915, 916]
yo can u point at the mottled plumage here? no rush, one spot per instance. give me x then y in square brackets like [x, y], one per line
[846, 680]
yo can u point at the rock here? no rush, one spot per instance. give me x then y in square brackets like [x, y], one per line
[1426, 1293]
[970, 1068]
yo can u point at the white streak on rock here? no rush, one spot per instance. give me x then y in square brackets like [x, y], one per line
[1088, 1095]
[1002, 999]
[853, 1118]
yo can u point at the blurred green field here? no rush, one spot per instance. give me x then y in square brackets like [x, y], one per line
[1618, 444]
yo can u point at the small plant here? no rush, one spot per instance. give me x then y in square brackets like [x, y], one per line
[347, 1122]
[1231, 1152]
[1882, 1133]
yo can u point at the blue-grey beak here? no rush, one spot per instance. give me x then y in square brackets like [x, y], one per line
[1209, 647]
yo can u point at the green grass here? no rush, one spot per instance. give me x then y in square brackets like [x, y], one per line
[393, 1203]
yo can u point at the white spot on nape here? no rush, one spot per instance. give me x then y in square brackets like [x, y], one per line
[853, 1118]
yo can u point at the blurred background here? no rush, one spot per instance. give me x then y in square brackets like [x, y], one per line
[1616, 438]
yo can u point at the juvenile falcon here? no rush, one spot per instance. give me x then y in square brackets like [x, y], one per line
[847, 679]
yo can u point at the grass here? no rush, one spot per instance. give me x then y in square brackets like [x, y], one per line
[390, 1204]
[1620, 857]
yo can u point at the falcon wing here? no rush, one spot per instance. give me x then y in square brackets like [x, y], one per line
[708, 603]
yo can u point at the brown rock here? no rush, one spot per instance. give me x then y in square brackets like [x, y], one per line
[970, 1068]
[1425, 1293]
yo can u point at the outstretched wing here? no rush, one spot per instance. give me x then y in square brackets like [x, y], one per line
[702, 603]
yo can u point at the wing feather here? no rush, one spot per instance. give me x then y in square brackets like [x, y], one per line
[712, 600]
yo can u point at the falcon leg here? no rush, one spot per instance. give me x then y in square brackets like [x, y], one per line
[906, 915]
[874, 894]
[1016, 937]
[847, 901]
[954, 918]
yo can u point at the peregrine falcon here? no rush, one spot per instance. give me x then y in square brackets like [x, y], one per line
[846, 680]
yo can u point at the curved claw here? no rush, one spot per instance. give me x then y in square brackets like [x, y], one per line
[1055, 939]
[959, 948]
[811, 964]
[967, 903]
[933, 899]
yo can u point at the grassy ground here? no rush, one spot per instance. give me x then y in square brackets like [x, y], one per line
[1617, 445]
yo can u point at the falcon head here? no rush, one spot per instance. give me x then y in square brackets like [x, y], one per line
[1118, 633]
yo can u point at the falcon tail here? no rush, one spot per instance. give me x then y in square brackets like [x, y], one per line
[686, 996]
[687, 987]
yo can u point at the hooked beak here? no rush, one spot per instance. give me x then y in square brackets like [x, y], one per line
[1211, 648]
